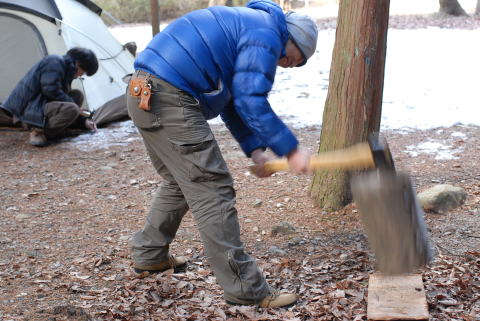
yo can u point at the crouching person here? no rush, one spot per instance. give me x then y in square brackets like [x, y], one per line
[43, 100]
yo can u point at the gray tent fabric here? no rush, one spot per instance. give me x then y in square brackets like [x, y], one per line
[45, 9]
[114, 110]
[22, 47]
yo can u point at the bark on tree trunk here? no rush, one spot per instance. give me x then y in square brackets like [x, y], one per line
[477, 9]
[451, 7]
[229, 3]
[354, 101]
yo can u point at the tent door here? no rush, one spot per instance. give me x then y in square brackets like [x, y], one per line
[21, 47]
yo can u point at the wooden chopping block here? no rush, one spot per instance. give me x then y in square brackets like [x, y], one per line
[396, 297]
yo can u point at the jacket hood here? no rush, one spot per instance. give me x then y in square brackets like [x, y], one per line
[276, 12]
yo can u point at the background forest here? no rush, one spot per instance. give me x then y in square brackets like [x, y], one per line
[138, 11]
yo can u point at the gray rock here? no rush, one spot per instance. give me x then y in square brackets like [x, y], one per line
[125, 237]
[23, 216]
[296, 241]
[442, 198]
[276, 251]
[257, 203]
[283, 228]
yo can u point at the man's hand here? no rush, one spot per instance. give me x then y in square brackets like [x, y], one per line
[90, 125]
[259, 157]
[299, 161]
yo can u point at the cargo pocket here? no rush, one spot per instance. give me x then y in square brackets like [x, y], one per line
[203, 158]
[141, 118]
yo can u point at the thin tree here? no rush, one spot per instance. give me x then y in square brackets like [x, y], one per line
[285, 5]
[451, 7]
[228, 3]
[477, 9]
[155, 17]
[354, 100]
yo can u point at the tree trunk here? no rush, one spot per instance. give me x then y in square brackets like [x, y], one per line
[285, 5]
[220, 3]
[155, 17]
[451, 7]
[477, 9]
[354, 101]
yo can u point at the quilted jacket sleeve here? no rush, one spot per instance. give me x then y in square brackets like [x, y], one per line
[51, 81]
[258, 53]
[247, 139]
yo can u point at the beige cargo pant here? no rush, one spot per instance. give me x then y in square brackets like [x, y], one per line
[185, 153]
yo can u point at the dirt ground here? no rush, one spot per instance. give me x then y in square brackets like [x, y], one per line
[67, 217]
[68, 214]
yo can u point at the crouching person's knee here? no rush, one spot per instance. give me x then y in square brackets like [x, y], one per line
[60, 115]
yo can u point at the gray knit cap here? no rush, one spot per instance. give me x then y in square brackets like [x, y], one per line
[304, 33]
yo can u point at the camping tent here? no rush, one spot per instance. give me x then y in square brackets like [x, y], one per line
[32, 29]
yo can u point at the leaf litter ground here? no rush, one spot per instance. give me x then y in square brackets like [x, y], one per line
[67, 218]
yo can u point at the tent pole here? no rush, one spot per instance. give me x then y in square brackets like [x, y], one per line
[155, 17]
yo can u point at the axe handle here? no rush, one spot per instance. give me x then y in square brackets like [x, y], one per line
[358, 156]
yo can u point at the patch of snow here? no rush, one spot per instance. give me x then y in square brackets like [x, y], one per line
[431, 78]
[117, 134]
[442, 151]
[418, 92]
[397, 7]
[459, 134]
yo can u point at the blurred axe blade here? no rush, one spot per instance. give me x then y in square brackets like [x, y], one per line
[393, 220]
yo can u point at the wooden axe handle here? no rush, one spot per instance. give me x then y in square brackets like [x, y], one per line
[358, 156]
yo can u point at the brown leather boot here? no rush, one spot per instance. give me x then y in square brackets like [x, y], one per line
[173, 262]
[277, 300]
[37, 137]
[274, 299]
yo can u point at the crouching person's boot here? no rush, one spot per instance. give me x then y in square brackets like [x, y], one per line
[177, 263]
[37, 137]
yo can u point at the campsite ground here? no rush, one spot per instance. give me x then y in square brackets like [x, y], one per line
[67, 216]
[68, 213]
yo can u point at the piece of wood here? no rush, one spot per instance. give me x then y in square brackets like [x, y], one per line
[396, 297]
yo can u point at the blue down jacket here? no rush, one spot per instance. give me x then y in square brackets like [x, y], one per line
[226, 57]
[48, 80]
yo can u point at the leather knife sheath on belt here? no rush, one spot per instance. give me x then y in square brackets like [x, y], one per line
[141, 87]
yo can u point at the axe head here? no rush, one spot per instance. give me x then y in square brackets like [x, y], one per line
[393, 220]
[382, 157]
